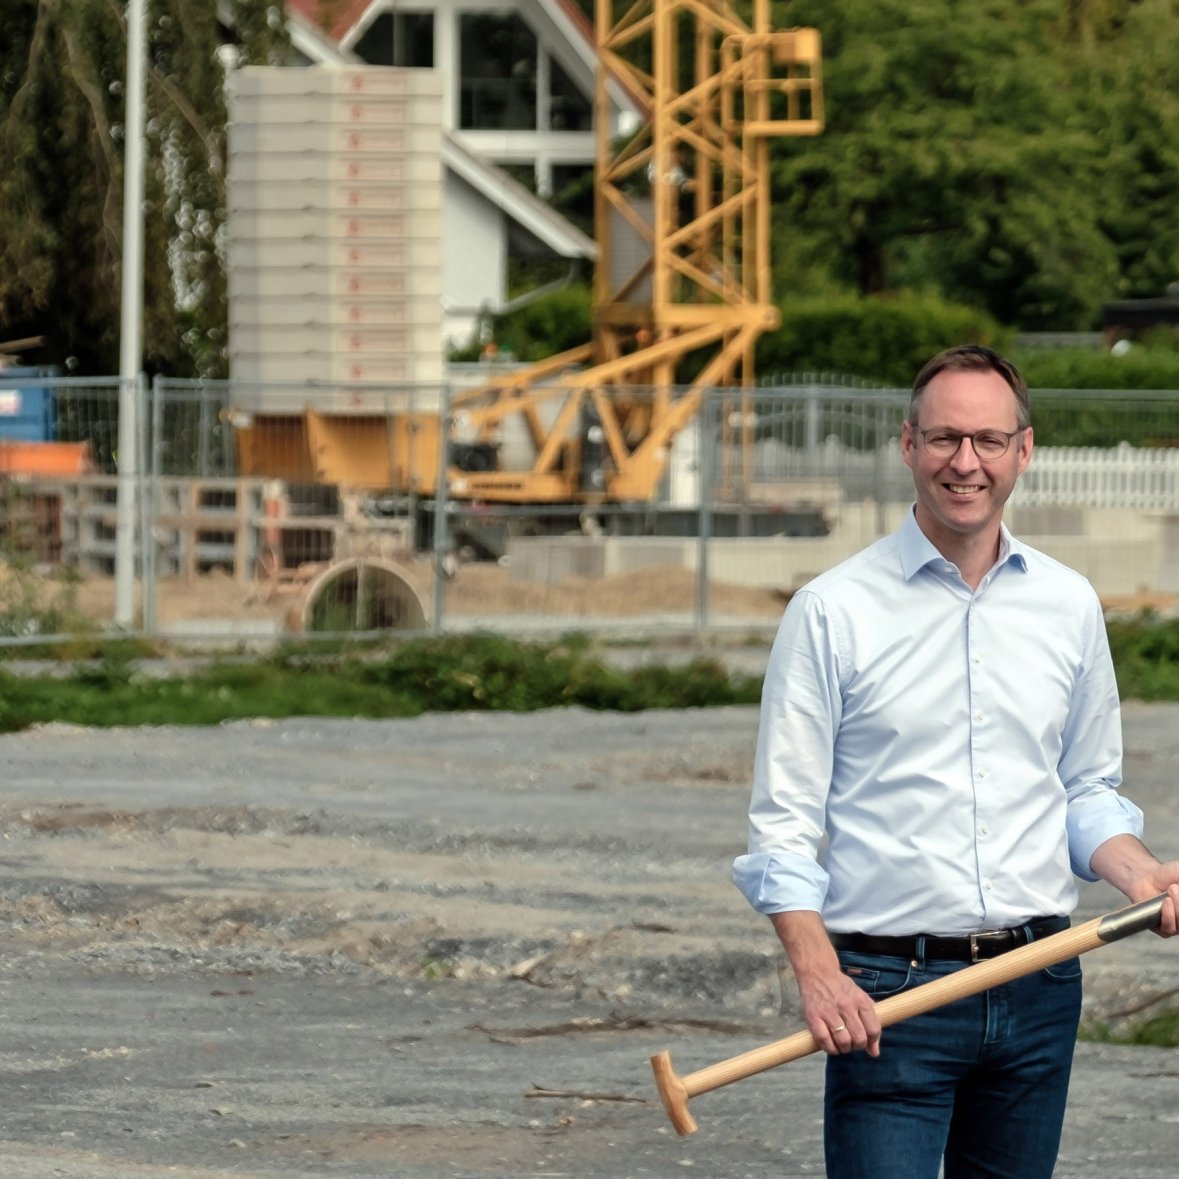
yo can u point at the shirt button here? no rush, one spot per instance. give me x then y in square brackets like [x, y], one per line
[978, 659]
[982, 773]
[978, 716]
[987, 885]
[983, 829]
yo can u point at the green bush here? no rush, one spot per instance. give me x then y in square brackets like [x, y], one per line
[482, 672]
[453, 673]
[553, 324]
[31, 605]
[1152, 366]
[1145, 652]
[885, 339]
[477, 672]
[1076, 419]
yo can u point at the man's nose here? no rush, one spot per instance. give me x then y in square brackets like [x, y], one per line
[966, 457]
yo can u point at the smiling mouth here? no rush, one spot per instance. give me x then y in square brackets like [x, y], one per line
[963, 488]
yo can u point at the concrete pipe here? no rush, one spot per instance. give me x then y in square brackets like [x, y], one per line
[360, 594]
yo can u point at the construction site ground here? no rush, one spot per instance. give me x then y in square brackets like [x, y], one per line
[217, 605]
[444, 946]
[477, 591]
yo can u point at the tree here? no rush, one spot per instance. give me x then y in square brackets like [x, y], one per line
[954, 161]
[62, 72]
[1132, 93]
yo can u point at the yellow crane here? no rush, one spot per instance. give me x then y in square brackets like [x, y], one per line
[682, 221]
[692, 190]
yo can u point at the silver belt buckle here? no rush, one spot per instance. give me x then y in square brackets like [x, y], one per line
[974, 948]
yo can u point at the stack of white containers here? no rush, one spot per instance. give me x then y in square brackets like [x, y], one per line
[334, 235]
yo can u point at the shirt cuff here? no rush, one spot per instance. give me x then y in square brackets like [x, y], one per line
[780, 882]
[1092, 821]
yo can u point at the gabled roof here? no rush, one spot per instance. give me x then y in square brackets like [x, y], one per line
[336, 18]
[333, 20]
[309, 39]
[492, 182]
[332, 17]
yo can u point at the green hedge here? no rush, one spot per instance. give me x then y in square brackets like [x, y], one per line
[456, 673]
[554, 323]
[1143, 367]
[885, 339]
[470, 672]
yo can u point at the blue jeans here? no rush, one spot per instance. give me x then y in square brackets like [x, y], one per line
[982, 1081]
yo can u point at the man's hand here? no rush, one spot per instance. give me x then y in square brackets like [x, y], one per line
[839, 1015]
[1129, 866]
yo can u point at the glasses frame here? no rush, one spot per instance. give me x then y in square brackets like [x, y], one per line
[1008, 434]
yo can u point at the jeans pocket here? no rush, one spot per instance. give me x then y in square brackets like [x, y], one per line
[1065, 972]
[878, 977]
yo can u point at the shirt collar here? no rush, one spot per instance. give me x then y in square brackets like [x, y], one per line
[917, 550]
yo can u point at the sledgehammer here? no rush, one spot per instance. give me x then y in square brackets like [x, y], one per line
[675, 1090]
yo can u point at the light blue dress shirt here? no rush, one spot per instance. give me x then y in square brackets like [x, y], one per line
[933, 759]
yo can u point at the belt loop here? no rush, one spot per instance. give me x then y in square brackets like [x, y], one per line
[920, 950]
[1029, 934]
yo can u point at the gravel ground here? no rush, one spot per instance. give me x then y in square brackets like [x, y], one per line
[441, 947]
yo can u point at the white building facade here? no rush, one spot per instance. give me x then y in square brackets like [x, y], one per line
[517, 90]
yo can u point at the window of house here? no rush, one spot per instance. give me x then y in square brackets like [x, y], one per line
[569, 108]
[498, 72]
[573, 194]
[399, 39]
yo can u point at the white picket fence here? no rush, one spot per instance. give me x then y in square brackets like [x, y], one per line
[1137, 478]
[1124, 476]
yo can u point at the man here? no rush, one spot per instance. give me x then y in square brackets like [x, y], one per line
[941, 711]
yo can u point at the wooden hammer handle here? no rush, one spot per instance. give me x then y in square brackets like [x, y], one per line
[675, 1090]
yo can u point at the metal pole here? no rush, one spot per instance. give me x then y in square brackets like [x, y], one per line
[441, 506]
[151, 495]
[707, 466]
[130, 340]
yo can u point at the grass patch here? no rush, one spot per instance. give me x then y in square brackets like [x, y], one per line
[1145, 652]
[1156, 1031]
[479, 672]
[484, 672]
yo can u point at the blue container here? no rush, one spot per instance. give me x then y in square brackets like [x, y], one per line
[27, 412]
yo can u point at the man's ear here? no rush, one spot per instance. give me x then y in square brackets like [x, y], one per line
[908, 442]
[1026, 446]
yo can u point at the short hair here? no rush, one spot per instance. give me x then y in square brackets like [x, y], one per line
[973, 358]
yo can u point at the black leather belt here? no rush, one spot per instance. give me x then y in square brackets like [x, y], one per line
[971, 947]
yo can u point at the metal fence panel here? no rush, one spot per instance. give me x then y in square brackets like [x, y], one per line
[58, 505]
[278, 510]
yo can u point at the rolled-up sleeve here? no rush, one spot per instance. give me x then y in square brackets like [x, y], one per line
[779, 882]
[1090, 765]
[800, 712]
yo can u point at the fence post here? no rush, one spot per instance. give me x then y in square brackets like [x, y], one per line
[881, 440]
[704, 531]
[812, 421]
[441, 506]
[148, 507]
[126, 485]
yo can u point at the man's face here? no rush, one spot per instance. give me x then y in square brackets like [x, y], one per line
[961, 494]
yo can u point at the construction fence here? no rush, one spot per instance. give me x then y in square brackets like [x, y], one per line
[216, 512]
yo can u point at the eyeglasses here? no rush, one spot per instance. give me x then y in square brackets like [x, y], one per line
[987, 444]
